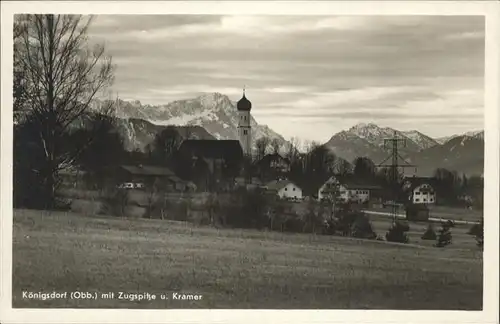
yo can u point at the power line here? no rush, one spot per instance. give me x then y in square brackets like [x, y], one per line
[394, 143]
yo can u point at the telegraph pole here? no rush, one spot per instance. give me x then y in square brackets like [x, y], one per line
[394, 144]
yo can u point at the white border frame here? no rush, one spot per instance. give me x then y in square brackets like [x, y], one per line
[489, 9]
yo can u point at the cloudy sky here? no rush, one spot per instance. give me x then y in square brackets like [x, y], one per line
[308, 76]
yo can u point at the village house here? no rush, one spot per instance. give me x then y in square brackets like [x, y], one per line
[284, 189]
[210, 164]
[147, 176]
[273, 167]
[347, 189]
[419, 190]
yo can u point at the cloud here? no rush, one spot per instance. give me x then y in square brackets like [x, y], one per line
[325, 72]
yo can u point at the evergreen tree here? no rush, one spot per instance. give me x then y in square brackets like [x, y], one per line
[429, 234]
[397, 233]
[444, 237]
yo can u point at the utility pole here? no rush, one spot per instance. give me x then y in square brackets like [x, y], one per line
[394, 144]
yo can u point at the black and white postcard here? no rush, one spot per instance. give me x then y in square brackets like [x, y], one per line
[239, 161]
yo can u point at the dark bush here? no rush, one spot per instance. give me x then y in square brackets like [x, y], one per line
[429, 234]
[344, 222]
[478, 231]
[362, 228]
[114, 202]
[397, 233]
[450, 223]
[444, 237]
[247, 209]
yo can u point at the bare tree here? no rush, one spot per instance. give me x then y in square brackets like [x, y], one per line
[292, 151]
[343, 167]
[62, 76]
[261, 144]
[166, 144]
[331, 194]
[275, 145]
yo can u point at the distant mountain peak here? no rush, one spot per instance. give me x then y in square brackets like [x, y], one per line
[479, 134]
[213, 111]
[463, 153]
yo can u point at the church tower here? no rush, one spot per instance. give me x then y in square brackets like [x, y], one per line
[244, 128]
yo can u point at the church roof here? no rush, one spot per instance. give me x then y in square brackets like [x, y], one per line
[212, 148]
[244, 104]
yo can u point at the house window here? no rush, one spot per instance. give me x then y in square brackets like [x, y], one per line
[294, 189]
[417, 192]
[286, 189]
[417, 200]
[245, 132]
[425, 200]
[431, 200]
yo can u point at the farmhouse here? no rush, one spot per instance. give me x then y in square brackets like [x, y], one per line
[284, 189]
[210, 164]
[419, 190]
[72, 177]
[162, 177]
[273, 166]
[347, 188]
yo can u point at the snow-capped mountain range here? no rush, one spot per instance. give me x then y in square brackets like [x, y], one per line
[214, 112]
[214, 115]
[463, 153]
[477, 134]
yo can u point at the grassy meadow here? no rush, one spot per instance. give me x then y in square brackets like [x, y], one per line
[234, 268]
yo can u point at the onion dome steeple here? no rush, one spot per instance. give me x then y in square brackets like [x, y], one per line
[244, 104]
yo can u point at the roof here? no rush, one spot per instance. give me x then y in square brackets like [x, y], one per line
[417, 181]
[244, 104]
[278, 184]
[148, 170]
[351, 182]
[176, 179]
[212, 148]
[272, 157]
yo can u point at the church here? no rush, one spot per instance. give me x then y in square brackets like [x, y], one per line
[244, 107]
[215, 164]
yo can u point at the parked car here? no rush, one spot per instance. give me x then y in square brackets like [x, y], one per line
[139, 185]
[126, 185]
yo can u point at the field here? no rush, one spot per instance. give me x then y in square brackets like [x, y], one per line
[230, 268]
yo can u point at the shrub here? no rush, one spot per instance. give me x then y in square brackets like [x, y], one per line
[476, 229]
[479, 233]
[247, 209]
[344, 221]
[444, 237]
[429, 234]
[114, 202]
[362, 228]
[397, 233]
